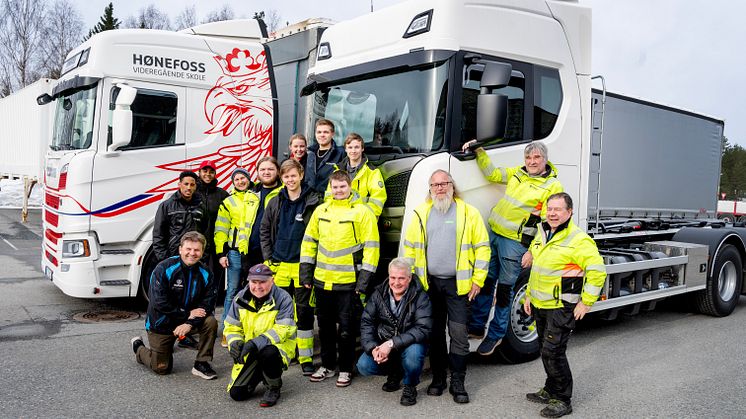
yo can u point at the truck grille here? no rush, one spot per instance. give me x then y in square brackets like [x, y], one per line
[396, 189]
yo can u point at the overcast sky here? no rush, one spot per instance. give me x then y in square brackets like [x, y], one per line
[684, 53]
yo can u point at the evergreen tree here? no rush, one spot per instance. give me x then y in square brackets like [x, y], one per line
[107, 22]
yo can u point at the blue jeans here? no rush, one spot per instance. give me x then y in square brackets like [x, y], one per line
[412, 360]
[234, 279]
[505, 267]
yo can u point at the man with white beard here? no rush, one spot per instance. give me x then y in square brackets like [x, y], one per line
[448, 245]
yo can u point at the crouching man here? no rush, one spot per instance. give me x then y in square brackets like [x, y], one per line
[394, 331]
[260, 331]
[182, 298]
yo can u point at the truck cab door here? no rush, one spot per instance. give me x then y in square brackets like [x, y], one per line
[130, 181]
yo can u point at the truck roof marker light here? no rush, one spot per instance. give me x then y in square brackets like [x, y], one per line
[420, 24]
[325, 51]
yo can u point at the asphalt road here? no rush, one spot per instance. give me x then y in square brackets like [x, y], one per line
[665, 363]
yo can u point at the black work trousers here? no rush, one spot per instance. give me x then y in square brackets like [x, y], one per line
[266, 366]
[452, 310]
[335, 313]
[554, 327]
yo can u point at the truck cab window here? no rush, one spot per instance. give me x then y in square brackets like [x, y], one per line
[515, 92]
[153, 119]
[547, 100]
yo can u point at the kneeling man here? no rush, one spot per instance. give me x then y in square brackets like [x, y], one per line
[394, 331]
[260, 331]
[182, 298]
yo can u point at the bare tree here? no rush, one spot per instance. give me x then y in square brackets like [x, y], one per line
[20, 39]
[186, 18]
[64, 29]
[149, 18]
[273, 20]
[224, 13]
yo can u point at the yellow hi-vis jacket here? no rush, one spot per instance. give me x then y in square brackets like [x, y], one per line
[340, 249]
[368, 183]
[235, 220]
[472, 246]
[525, 196]
[566, 269]
[272, 323]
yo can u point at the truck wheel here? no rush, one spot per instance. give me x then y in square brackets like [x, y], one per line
[521, 343]
[149, 264]
[724, 286]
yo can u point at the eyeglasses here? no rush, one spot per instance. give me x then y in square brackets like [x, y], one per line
[439, 185]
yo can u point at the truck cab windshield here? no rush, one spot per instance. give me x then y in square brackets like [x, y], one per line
[73, 120]
[399, 113]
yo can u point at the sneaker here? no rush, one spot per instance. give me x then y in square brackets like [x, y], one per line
[188, 342]
[436, 387]
[458, 391]
[540, 396]
[204, 370]
[270, 397]
[393, 383]
[307, 368]
[408, 396]
[136, 343]
[223, 342]
[476, 334]
[488, 346]
[344, 379]
[321, 374]
[556, 409]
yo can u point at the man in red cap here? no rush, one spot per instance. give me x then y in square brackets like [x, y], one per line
[212, 195]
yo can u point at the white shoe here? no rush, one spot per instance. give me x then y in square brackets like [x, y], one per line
[321, 374]
[344, 379]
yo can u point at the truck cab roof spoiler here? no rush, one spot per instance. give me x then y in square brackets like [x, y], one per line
[75, 83]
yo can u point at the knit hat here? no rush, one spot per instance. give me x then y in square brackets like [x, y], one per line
[242, 171]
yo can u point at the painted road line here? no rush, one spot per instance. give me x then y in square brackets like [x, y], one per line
[9, 243]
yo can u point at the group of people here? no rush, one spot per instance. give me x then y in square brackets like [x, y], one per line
[305, 240]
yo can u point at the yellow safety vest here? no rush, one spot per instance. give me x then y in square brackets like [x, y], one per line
[368, 183]
[235, 220]
[472, 246]
[566, 269]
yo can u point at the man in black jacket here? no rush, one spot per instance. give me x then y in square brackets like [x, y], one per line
[212, 195]
[182, 298]
[184, 211]
[394, 331]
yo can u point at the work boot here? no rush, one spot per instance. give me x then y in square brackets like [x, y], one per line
[437, 386]
[393, 383]
[408, 396]
[273, 392]
[457, 388]
[556, 409]
[540, 396]
[307, 368]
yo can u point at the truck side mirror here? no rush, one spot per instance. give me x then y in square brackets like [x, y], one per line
[121, 119]
[492, 108]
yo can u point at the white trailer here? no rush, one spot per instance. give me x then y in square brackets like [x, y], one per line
[643, 176]
[24, 137]
[133, 108]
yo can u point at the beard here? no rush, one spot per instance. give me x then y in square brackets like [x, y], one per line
[442, 204]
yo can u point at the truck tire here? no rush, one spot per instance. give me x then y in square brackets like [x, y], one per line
[723, 289]
[148, 265]
[521, 342]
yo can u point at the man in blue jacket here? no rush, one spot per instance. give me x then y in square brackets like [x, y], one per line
[182, 299]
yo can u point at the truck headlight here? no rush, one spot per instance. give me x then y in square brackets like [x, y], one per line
[75, 248]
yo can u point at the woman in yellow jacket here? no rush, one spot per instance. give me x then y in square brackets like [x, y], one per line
[366, 181]
[232, 230]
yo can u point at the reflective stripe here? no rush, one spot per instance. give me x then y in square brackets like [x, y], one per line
[498, 219]
[222, 219]
[336, 268]
[480, 244]
[592, 289]
[419, 272]
[307, 238]
[221, 229]
[232, 201]
[231, 336]
[372, 243]
[285, 322]
[375, 202]
[530, 231]
[564, 273]
[571, 298]
[417, 245]
[368, 267]
[569, 238]
[481, 264]
[598, 268]
[272, 334]
[305, 334]
[543, 296]
[232, 321]
[549, 182]
[463, 274]
[307, 259]
[521, 205]
[305, 352]
[332, 254]
[466, 247]
[284, 354]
